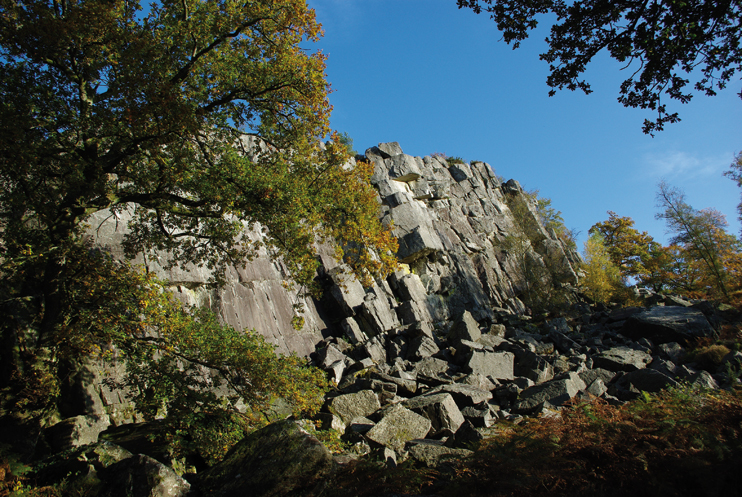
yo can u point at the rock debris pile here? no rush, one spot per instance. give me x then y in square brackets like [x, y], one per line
[429, 395]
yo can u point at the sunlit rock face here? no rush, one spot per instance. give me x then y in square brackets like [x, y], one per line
[450, 220]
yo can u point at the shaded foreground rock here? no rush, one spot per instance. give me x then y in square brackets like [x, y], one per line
[280, 459]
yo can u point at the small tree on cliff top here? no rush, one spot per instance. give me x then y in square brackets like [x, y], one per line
[104, 107]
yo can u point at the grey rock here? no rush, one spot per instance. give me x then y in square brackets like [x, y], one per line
[498, 365]
[465, 328]
[556, 392]
[280, 459]
[703, 379]
[622, 359]
[440, 409]
[77, 431]
[432, 453]
[378, 315]
[479, 416]
[353, 331]
[353, 405]
[464, 395]
[421, 347]
[390, 149]
[398, 426]
[647, 380]
[431, 366]
[668, 324]
[347, 290]
[672, 350]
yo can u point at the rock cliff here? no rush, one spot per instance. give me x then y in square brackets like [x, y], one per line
[450, 220]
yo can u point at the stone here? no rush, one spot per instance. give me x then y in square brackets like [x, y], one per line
[431, 366]
[279, 459]
[466, 437]
[398, 426]
[647, 380]
[422, 347]
[375, 350]
[347, 290]
[622, 359]
[534, 367]
[390, 149]
[142, 475]
[352, 405]
[410, 287]
[464, 395]
[413, 312]
[77, 431]
[432, 453]
[668, 324]
[498, 365]
[465, 327]
[378, 315]
[479, 416]
[352, 331]
[440, 409]
[405, 168]
[672, 350]
[556, 392]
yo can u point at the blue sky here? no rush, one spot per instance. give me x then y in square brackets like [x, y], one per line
[437, 79]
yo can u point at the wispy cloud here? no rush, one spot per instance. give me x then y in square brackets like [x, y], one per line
[685, 165]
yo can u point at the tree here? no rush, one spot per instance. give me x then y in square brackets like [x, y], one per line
[701, 234]
[602, 276]
[201, 118]
[627, 247]
[735, 173]
[668, 42]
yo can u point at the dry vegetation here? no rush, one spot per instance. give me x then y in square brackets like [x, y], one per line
[679, 442]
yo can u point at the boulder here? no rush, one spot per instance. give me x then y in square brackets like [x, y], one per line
[279, 460]
[432, 453]
[498, 365]
[142, 475]
[398, 426]
[556, 392]
[668, 324]
[440, 409]
[622, 359]
[464, 395]
[465, 327]
[353, 405]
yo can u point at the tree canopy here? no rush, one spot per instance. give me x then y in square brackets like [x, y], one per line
[201, 119]
[665, 44]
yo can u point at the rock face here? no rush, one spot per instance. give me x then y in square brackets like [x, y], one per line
[450, 220]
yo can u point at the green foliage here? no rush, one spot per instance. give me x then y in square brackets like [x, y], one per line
[540, 270]
[345, 140]
[455, 160]
[735, 174]
[671, 42]
[200, 120]
[177, 358]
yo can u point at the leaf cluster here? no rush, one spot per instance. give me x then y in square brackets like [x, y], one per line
[666, 44]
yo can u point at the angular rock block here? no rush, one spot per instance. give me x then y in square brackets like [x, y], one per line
[440, 409]
[397, 427]
[353, 405]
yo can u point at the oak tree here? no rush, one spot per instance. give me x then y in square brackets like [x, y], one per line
[671, 48]
[200, 118]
